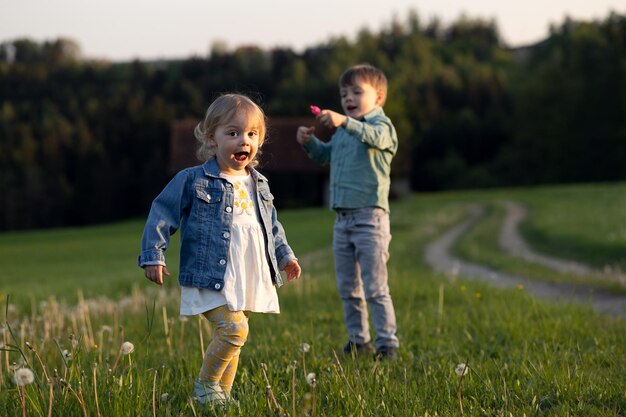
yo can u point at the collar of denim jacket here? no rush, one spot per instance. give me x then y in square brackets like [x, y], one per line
[212, 169]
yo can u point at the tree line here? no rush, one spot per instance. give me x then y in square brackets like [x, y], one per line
[84, 141]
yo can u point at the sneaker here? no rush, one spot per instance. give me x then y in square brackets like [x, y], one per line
[358, 348]
[386, 353]
[209, 393]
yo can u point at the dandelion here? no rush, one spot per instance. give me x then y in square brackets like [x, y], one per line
[127, 348]
[164, 397]
[477, 295]
[23, 377]
[460, 370]
[310, 379]
[106, 329]
[304, 348]
[67, 355]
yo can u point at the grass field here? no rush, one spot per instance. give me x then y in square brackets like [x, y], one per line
[73, 296]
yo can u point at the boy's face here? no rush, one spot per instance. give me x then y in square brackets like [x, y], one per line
[237, 144]
[359, 98]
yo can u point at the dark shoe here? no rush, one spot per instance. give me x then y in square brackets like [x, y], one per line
[358, 348]
[386, 353]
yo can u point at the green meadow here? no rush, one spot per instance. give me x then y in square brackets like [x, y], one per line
[71, 297]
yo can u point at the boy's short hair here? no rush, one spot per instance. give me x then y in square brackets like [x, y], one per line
[367, 73]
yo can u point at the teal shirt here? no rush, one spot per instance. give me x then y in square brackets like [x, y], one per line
[360, 157]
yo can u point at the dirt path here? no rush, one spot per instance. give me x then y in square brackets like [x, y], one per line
[511, 241]
[438, 256]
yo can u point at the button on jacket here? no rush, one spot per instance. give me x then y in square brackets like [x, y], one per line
[360, 157]
[200, 203]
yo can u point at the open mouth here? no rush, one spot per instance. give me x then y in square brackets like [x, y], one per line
[351, 108]
[241, 156]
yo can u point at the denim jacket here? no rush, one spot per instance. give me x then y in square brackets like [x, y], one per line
[200, 203]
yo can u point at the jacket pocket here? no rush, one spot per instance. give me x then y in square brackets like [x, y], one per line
[208, 196]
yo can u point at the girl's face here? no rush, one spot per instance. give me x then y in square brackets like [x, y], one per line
[237, 144]
[359, 98]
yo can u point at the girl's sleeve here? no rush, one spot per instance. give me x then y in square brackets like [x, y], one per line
[163, 221]
[284, 254]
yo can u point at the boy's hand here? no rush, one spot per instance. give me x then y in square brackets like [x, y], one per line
[331, 119]
[293, 270]
[304, 134]
[155, 273]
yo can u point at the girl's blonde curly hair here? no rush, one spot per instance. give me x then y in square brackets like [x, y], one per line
[220, 112]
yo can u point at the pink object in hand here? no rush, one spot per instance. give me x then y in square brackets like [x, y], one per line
[315, 110]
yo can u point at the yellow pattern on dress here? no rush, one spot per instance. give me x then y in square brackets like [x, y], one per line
[243, 202]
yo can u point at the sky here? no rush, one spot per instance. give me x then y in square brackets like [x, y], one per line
[121, 30]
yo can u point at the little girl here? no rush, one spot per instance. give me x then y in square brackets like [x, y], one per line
[232, 245]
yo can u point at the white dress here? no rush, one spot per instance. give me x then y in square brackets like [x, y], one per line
[247, 283]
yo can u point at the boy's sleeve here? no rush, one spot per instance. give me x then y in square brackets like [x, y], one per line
[376, 132]
[163, 221]
[318, 151]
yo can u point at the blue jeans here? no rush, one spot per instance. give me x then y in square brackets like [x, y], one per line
[361, 249]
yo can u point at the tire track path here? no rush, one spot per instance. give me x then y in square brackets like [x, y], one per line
[511, 241]
[437, 255]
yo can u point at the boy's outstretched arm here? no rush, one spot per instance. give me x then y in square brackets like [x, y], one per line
[155, 273]
[331, 119]
[304, 134]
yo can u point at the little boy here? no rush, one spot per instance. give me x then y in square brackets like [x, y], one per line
[360, 153]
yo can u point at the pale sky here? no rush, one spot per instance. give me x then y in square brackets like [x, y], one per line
[153, 29]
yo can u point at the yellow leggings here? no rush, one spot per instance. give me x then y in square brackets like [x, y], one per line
[230, 331]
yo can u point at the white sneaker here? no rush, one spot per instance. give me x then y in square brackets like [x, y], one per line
[209, 392]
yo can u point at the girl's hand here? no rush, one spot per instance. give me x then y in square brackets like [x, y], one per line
[155, 273]
[293, 270]
[304, 134]
[331, 119]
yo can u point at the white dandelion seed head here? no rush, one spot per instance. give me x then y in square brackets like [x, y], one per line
[127, 348]
[310, 379]
[461, 369]
[24, 376]
[67, 355]
[305, 347]
[106, 329]
[164, 397]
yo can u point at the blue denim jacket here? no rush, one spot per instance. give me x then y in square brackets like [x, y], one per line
[200, 203]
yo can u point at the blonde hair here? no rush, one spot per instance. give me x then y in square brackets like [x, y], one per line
[366, 73]
[219, 113]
